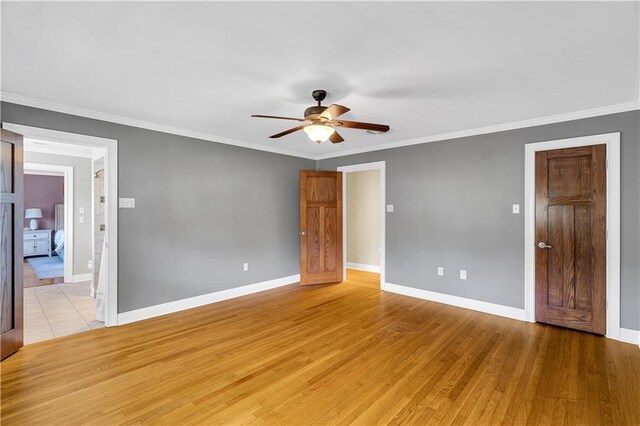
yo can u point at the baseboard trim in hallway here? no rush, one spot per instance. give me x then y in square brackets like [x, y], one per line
[461, 302]
[204, 299]
[363, 267]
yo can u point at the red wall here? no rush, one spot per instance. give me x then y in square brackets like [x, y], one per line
[43, 192]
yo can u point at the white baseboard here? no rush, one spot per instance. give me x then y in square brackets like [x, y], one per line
[82, 277]
[363, 267]
[461, 302]
[205, 299]
[630, 336]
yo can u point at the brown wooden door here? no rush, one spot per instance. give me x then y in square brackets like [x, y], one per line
[11, 224]
[320, 227]
[571, 238]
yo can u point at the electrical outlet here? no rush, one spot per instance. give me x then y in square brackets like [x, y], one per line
[440, 271]
[81, 219]
[389, 208]
[463, 274]
[516, 208]
[245, 267]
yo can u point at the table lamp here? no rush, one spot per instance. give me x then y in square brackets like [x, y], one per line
[33, 214]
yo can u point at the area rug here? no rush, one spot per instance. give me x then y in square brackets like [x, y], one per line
[47, 267]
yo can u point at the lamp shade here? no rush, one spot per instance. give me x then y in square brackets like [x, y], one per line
[32, 213]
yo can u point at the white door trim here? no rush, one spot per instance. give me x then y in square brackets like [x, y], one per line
[111, 193]
[67, 172]
[381, 166]
[612, 141]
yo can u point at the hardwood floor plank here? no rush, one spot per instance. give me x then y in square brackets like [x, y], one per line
[338, 354]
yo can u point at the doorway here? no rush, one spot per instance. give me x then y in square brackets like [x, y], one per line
[586, 188]
[97, 147]
[48, 189]
[364, 224]
[59, 244]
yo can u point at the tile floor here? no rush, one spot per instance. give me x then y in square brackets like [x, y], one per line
[57, 310]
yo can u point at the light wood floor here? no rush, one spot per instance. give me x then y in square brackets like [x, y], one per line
[362, 278]
[334, 354]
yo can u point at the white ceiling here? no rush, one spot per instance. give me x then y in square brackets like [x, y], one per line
[423, 68]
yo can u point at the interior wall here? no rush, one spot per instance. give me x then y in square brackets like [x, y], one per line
[43, 192]
[452, 208]
[202, 210]
[363, 217]
[82, 182]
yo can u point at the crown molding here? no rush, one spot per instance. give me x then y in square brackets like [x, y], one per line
[97, 115]
[539, 121]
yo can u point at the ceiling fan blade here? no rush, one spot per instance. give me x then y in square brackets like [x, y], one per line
[279, 118]
[286, 132]
[333, 111]
[336, 138]
[359, 125]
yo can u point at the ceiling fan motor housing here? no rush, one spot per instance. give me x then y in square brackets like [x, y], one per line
[313, 112]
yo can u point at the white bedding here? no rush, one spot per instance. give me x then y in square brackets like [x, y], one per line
[58, 240]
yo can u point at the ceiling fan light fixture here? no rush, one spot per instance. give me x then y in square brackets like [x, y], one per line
[319, 132]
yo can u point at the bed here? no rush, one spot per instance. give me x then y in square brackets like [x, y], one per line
[58, 237]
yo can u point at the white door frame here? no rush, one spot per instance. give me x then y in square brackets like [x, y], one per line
[612, 141]
[381, 166]
[111, 194]
[67, 172]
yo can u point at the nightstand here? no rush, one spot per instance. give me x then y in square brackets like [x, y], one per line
[37, 242]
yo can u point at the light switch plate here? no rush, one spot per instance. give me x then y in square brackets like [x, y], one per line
[463, 274]
[81, 210]
[516, 208]
[440, 271]
[389, 208]
[127, 203]
[245, 267]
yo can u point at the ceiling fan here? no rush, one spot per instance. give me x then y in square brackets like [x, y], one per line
[320, 121]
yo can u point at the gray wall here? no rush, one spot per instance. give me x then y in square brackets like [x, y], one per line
[453, 202]
[82, 183]
[202, 210]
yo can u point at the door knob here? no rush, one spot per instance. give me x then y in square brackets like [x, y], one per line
[544, 245]
[303, 233]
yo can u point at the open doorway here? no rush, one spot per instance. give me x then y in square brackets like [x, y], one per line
[61, 295]
[364, 224]
[48, 190]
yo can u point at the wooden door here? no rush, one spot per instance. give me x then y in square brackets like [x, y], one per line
[11, 224]
[571, 238]
[320, 227]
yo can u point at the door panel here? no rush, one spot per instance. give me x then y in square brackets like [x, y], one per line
[313, 240]
[571, 220]
[330, 242]
[11, 214]
[320, 227]
[6, 266]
